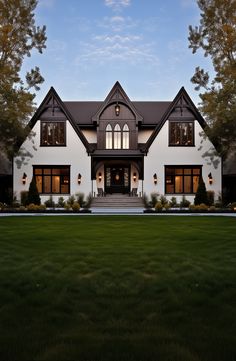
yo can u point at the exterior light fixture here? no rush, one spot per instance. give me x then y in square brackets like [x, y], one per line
[79, 178]
[155, 178]
[99, 176]
[117, 109]
[210, 179]
[24, 178]
[134, 177]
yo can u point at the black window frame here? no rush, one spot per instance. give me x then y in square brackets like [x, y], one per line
[184, 167]
[51, 174]
[42, 142]
[181, 144]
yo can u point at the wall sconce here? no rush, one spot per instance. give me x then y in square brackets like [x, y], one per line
[117, 109]
[134, 177]
[99, 176]
[79, 178]
[155, 178]
[210, 179]
[24, 178]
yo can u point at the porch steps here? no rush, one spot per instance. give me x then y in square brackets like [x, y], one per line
[117, 201]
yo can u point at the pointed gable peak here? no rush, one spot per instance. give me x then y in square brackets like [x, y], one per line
[117, 95]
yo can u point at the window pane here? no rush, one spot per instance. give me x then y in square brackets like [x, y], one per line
[126, 137]
[187, 171]
[196, 171]
[39, 183]
[181, 133]
[47, 184]
[195, 183]
[38, 171]
[178, 171]
[47, 171]
[53, 133]
[187, 184]
[178, 184]
[117, 137]
[55, 184]
[108, 137]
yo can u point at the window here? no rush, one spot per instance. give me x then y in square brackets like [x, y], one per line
[53, 180]
[109, 137]
[117, 137]
[125, 137]
[181, 133]
[182, 179]
[53, 133]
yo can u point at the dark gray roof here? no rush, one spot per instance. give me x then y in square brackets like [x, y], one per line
[82, 111]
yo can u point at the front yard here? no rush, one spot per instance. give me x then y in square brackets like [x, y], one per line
[119, 288]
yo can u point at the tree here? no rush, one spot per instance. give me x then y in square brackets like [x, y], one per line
[201, 195]
[216, 36]
[18, 37]
[33, 195]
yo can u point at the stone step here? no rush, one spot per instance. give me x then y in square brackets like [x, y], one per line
[117, 201]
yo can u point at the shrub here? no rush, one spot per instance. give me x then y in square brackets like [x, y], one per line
[210, 197]
[76, 206]
[80, 198]
[184, 203]
[201, 195]
[49, 203]
[33, 195]
[154, 199]
[163, 200]
[32, 207]
[67, 207]
[173, 202]
[2, 206]
[212, 208]
[71, 200]
[61, 202]
[88, 201]
[24, 197]
[158, 206]
[146, 201]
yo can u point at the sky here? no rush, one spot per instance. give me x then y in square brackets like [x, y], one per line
[93, 43]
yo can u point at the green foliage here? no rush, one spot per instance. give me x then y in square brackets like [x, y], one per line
[216, 36]
[184, 202]
[75, 206]
[24, 198]
[201, 195]
[158, 206]
[33, 195]
[49, 203]
[61, 202]
[173, 202]
[80, 198]
[154, 198]
[88, 201]
[71, 200]
[19, 35]
[210, 197]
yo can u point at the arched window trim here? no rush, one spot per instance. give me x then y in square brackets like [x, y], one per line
[117, 136]
[125, 136]
[109, 136]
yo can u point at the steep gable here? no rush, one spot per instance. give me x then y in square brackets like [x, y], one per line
[182, 108]
[117, 95]
[52, 108]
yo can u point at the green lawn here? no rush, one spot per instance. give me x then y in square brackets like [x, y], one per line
[118, 288]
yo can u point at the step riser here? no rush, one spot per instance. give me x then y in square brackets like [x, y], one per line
[117, 201]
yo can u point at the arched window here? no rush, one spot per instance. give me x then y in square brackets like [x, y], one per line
[117, 137]
[125, 137]
[109, 137]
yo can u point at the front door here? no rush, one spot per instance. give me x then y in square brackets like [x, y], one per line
[117, 180]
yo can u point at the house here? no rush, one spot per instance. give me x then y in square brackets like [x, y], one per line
[117, 145]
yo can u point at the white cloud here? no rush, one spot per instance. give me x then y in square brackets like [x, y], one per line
[117, 5]
[118, 23]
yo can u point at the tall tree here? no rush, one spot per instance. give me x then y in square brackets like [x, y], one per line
[18, 37]
[216, 36]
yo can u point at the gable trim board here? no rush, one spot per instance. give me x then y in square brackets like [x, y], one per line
[117, 152]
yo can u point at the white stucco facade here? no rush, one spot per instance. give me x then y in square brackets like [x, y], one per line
[74, 155]
[161, 154]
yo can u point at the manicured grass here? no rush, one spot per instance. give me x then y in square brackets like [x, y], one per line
[118, 288]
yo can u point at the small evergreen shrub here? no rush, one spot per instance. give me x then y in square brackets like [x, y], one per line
[80, 198]
[163, 200]
[201, 195]
[76, 206]
[49, 203]
[158, 206]
[88, 201]
[33, 195]
[24, 197]
[210, 197]
[154, 199]
[71, 200]
[61, 202]
[173, 202]
[184, 203]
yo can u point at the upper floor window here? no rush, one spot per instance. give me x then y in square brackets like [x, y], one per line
[117, 138]
[125, 137]
[53, 133]
[181, 133]
[109, 137]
